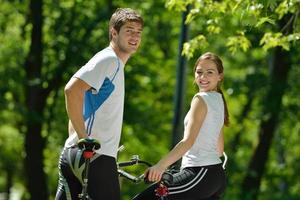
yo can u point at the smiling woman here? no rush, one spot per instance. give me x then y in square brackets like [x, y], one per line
[202, 175]
[209, 75]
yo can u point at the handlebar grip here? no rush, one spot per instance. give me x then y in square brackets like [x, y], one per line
[167, 178]
[125, 164]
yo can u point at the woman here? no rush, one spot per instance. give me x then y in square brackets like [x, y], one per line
[201, 175]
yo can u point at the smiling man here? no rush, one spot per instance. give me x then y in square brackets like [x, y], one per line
[94, 99]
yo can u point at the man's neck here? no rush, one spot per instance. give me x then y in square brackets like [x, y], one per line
[122, 55]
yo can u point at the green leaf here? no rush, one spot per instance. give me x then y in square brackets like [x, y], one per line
[177, 5]
[282, 9]
[264, 20]
[271, 40]
[238, 42]
[190, 47]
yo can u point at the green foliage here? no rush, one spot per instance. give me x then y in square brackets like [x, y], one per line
[190, 47]
[235, 43]
[243, 33]
[241, 16]
[249, 30]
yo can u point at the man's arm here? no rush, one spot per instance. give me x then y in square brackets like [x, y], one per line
[74, 96]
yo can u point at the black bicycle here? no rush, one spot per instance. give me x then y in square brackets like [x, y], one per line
[167, 178]
[162, 189]
[88, 146]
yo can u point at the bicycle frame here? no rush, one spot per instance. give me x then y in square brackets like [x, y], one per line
[88, 146]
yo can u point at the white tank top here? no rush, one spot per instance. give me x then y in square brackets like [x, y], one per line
[204, 150]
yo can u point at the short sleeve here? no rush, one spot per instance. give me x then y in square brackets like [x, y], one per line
[202, 95]
[97, 69]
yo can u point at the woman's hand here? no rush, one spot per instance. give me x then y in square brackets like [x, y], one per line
[154, 173]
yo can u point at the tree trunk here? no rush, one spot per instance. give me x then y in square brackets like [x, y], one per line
[180, 84]
[9, 183]
[279, 76]
[246, 109]
[35, 101]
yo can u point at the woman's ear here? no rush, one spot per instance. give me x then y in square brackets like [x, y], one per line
[221, 76]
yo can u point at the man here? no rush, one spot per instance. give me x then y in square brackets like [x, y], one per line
[94, 102]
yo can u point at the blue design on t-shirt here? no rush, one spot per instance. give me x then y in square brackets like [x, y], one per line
[92, 102]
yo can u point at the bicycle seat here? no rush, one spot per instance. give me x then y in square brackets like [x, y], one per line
[88, 144]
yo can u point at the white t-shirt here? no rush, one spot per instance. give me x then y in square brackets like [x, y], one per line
[104, 103]
[204, 150]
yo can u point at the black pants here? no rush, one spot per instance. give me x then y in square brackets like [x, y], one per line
[102, 179]
[192, 183]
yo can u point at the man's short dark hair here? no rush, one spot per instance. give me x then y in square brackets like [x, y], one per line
[121, 16]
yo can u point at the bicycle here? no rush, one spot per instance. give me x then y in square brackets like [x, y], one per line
[162, 190]
[167, 178]
[88, 146]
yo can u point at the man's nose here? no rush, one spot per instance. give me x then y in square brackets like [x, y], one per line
[135, 34]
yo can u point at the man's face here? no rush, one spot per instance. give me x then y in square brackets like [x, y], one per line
[129, 37]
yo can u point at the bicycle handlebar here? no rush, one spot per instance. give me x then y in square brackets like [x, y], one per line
[135, 160]
[167, 177]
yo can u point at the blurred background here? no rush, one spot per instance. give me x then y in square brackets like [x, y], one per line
[43, 42]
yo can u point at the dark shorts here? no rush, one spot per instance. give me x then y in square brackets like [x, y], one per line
[102, 180]
[192, 183]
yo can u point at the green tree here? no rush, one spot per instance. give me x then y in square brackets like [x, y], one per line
[234, 23]
[55, 39]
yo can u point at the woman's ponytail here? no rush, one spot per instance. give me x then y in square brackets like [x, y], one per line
[226, 113]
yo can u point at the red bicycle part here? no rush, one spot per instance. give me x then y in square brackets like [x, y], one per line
[162, 191]
[88, 154]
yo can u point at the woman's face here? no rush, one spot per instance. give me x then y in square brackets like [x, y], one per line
[207, 76]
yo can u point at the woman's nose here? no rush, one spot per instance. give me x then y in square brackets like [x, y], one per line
[203, 75]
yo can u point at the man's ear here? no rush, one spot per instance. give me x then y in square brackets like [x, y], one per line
[113, 32]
